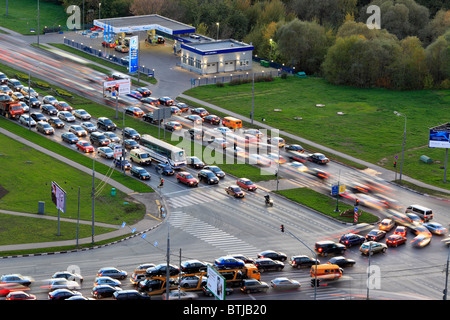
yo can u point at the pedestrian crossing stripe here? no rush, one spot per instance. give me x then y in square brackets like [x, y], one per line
[194, 198]
[211, 235]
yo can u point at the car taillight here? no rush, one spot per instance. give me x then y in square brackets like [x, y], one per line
[320, 249]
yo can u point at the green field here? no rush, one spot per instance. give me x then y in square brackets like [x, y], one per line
[22, 15]
[368, 128]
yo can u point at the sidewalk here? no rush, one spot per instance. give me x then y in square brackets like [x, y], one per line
[149, 222]
[381, 172]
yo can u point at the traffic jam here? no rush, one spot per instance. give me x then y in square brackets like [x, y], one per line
[133, 152]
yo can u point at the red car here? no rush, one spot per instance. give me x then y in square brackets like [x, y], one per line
[20, 295]
[187, 178]
[6, 288]
[401, 231]
[84, 146]
[246, 184]
[63, 106]
[394, 240]
[235, 191]
[109, 44]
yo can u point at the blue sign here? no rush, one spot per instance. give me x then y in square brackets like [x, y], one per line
[133, 64]
[334, 189]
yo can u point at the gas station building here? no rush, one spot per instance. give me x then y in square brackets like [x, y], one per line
[198, 53]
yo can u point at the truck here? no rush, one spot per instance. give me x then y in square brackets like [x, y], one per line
[233, 277]
[11, 109]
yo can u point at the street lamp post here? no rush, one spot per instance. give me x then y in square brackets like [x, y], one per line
[99, 5]
[217, 38]
[403, 147]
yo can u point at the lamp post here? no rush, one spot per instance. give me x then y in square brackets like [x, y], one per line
[99, 5]
[404, 140]
[218, 24]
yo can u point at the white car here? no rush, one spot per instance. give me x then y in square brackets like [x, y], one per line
[81, 114]
[50, 100]
[66, 116]
[78, 130]
[106, 152]
[89, 126]
[192, 281]
[182, 295]
[61, 283]
[26, 120]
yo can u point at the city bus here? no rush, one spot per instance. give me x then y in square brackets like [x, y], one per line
[164, 152]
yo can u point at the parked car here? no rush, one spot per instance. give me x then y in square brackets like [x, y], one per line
[192, 281]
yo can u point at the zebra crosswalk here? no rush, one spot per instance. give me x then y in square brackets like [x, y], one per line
[194, 198]
[211, 235]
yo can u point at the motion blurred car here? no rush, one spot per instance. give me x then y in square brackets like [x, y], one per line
[16, 279]
[255, 132]
[235, 191]
[275, 255]
[413, 218]
[62, 283]
[145, 92]
[318, 173]
[284, 283]
[134, 111]
[394, 240]
[421, 241]
[294, 147]
[371, 247]
[81, 114]
[435, 228]
[297, 167]
[68, 275]
[342, 261]
[246, 184]
[179, 295]
[386, 225]
[20, 295]
[274, 157]
[187, 179]
[135, 94]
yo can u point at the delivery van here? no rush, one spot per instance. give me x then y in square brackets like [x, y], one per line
[232, 123]
[326, 271]
[140, 156]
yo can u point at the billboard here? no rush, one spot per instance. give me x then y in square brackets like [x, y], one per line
[134, 51]
[59, 197]
[439, 138]
[216, 283]
[121, 86]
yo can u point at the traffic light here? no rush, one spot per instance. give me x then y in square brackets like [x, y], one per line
[282, 228]
[395, 164]
[356, 202]
[315, 282]
[161, 183]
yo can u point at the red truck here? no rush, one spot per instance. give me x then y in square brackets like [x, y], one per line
[10, 109]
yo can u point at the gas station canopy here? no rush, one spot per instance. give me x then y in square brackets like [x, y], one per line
[143, 23]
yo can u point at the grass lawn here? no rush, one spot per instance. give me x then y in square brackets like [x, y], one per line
[26, 177]
[18, 230]
[325, 204]
[22, 15]
[368, 130]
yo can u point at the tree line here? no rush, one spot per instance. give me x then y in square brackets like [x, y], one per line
[328, 38]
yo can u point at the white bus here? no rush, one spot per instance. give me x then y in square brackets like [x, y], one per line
[164, 152]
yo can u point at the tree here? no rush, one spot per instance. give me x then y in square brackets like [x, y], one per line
[303, 44]
[436, 27]
[438, 58]
[144, 7]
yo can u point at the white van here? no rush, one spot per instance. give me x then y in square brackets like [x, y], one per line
[424, 213]
[140, 156]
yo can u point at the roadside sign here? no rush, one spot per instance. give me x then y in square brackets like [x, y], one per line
[117, 151]
[216, 283]
[337, 189]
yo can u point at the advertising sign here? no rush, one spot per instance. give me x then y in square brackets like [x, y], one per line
[439, 138]
[216, 283]
[121, 86]
[134, 51]
[58, 197]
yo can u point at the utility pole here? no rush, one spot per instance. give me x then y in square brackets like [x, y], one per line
[446, 276]
[168, 263]
[93, 198]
